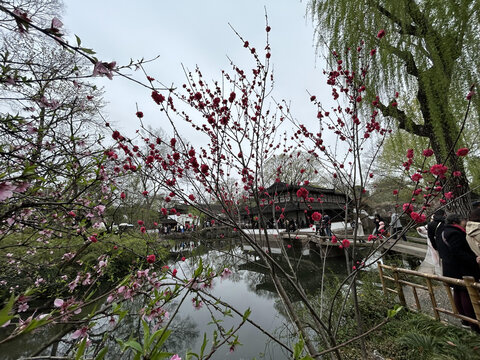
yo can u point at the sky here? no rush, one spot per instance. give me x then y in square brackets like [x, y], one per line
[196, 33]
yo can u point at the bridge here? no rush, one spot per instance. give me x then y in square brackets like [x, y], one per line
[414, 246]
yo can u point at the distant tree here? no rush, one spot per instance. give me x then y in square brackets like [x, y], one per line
[293, 168]
[428, 52]
[42, 12]
[381, 195]
[49, 116]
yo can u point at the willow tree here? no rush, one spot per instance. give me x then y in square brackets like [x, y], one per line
[427, 52]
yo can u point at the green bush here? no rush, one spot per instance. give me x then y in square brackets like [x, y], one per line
[123, 251]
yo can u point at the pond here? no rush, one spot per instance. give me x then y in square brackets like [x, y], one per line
[248, 287]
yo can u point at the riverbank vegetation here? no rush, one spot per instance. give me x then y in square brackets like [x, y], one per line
[52, 266]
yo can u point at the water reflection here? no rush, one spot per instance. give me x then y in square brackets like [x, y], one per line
[249, 286]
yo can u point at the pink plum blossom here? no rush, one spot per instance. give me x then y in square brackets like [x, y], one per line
[104, 69]
[23, 307]
[6, 190]
[80, 333]
[56, 24]
[226, 273]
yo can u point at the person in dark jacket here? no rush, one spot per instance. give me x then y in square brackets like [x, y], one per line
[458, 260]
[437, 223]
[326, 225]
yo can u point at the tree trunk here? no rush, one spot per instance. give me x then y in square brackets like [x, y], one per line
[458, 185]
[444, 132]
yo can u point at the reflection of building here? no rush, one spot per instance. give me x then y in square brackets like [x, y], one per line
[282, 198]
[309, 266]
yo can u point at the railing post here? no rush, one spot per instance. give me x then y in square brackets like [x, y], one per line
[448, 290]
[401, 295]
[380, 270]
[417, 301]
[432, 299]
[474, 296]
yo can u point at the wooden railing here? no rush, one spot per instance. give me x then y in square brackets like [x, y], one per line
[407, 284]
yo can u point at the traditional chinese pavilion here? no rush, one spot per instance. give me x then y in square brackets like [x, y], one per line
[298, 206]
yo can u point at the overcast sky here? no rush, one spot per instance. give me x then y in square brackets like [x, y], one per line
[197, 33]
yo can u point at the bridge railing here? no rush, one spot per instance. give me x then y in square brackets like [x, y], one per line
[417, 239]
[416, 290]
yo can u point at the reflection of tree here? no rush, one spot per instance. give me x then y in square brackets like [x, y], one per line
[30, 344]
[103, 334]
[309, 273]
[184, 330]
[129, 327]
[221, 254]
[184, 334]
[252, 280]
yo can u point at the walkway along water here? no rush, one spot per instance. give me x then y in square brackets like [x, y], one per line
[414, 246]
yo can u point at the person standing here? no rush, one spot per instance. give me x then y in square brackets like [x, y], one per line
[382, 232]
[326, 225]
[377, 220]
[436, 224]
[458, 260]
[293, 225]
[396, 226]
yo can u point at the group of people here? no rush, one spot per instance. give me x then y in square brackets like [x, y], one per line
[453, 248]
[324, 226]
[395, 226]
[456, 240]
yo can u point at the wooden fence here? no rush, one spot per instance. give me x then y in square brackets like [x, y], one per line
[410, 285]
